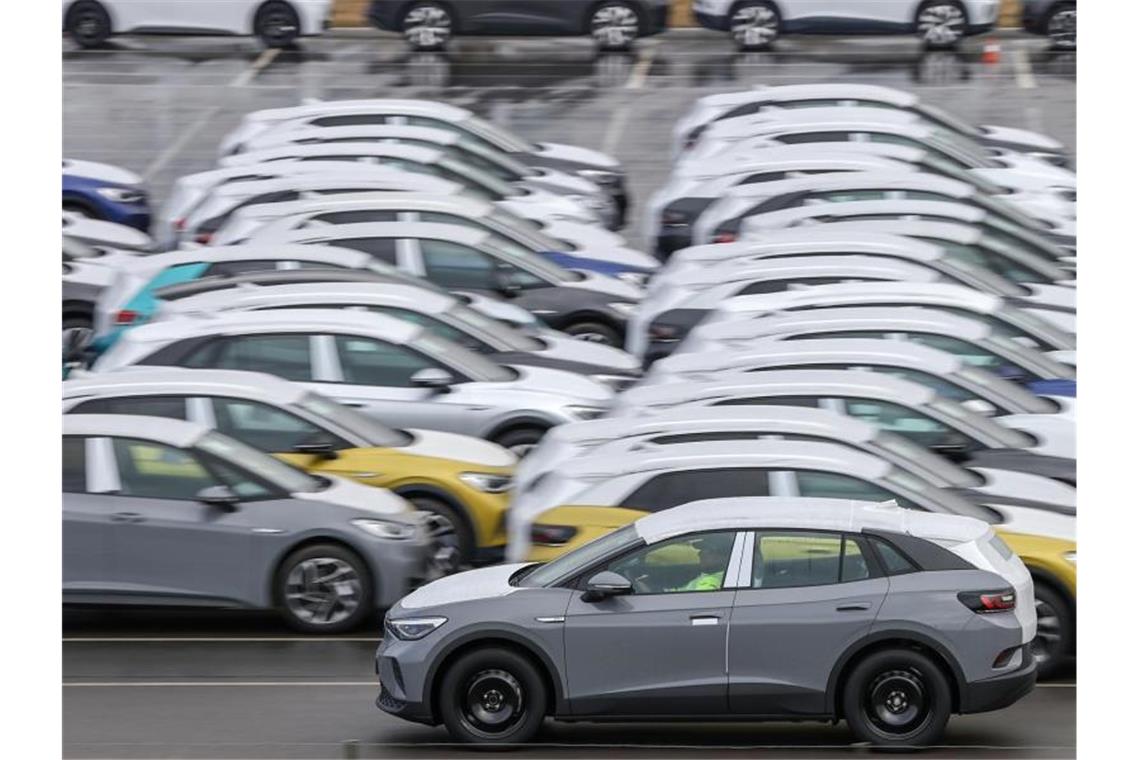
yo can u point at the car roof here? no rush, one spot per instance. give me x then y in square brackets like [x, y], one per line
[177, 433]
[793, 92]
[177, 381]
[784, 382]
[887, 179]
[742, 513]
[458, 233]
[894, 318]
[249, 295]
[760, 452]
[397, 200]
[256, 251]
[841, 117]
[305, 135]
[942, 230]
[931, 293]
[306, 321]
[334, 107]
[899, 353]
[735, 271]
[961, 211]
[803, 157]
[338, 175]
[417, 153]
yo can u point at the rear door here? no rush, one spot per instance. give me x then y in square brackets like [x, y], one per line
[88, 534]
[809, 596]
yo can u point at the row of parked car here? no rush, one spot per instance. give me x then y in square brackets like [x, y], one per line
[613, 24]
[400, 294]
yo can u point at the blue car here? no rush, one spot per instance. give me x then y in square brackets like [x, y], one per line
[106, 192]
[631, 274]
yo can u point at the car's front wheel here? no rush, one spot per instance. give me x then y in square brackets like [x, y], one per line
[754, 25]
[88, 24]
[520, 441]
[1061, 26]
[594, 332]
[427, 26]
[324, 588]
[493, 696]
[897, 698]
[941, 24]
[277, 25]
[614, 26]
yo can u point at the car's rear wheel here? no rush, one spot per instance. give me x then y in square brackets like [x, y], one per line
[1055, 629]
[89, 24]
[614, 26]
[520, 441]
[1061, 26]
[451, 535]
[594, 332]
[492, 696]
[277, 25]
[941, 24]
[897, 698]
[324, 588]
[427, 26]
[754, 25]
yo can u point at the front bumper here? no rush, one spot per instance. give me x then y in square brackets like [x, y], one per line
[1001, 691]
[402, 669]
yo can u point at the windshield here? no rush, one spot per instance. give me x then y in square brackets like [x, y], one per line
[511, 252]
[943, 119]
[527, 229]
[938, 469]
[1017, 261]
[1014, 233]
[976, 273]
[1008, 211]
[354, 422]
[1008, 438]
[1022, 399]
[1043, 365]
[1019, 323]
[461, 359]
[947, 501]
[497, 136]
[498, 332]
[962, 146]
[581, 558]
[949, 169]
[243, 457]
[495, 188]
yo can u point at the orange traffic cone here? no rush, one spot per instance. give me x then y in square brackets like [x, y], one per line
[991, 52]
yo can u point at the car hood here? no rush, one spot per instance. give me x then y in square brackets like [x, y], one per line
[561, 346]
[1021, 140]
[346, 493]
[484, 583]
[463, 448]
[572, 388]
[1026, 488]
[1056, 434]
[604, 284]
[104, 172]
[573, 154]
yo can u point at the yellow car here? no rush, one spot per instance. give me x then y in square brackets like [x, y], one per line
[464, 481]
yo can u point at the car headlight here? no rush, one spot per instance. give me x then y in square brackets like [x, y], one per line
[487, 482]
[121, 194]
[625, 308]
[585, 412]
[413, 629]
[389, 529]
[1071, 557]
[607, 179]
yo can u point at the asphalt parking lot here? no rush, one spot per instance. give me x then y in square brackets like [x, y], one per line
[180, 685]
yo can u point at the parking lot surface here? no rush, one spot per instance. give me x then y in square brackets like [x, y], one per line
[184, 685]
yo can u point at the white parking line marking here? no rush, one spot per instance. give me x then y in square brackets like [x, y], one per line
[636, 81]
[1023, 69]
[263, 60]
[641, 69]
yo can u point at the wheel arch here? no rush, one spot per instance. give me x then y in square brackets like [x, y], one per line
[526, 421]
[430, 490]
[636, 5]
[591, 315]
[894, 639]
[71, 7]
[73, 199]
[75, 307]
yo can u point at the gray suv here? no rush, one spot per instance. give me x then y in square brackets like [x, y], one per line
[741, 609]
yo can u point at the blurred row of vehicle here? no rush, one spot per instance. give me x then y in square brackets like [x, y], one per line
[612, 24]
[894, 334]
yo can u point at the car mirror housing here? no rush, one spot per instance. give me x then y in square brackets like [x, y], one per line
[221, 497]
[604, 585]
[322, 448]
[434, 378]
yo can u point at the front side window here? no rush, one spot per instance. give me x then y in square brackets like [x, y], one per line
[266, 427]
[383, 249]
[686, 564]
[286, 356]
[673, 488]
[154, 470]
[239, 463]
[898, 419]
[798, 559]
[365, 361]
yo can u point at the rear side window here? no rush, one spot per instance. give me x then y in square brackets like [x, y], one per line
[383, 249]
[285, 356]
[779, 286]
[231, 268]
[672, 488]
[349, 120]
[791, 560]
[74, 464]
[355, 217]
[893, 561]
[172, 407]
[814, 137]
[806, 401]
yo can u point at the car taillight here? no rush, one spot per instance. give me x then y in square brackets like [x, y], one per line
[984, 602]
[126, 317]
[204, 238]
[552, 535]
[725, 237]
[179, 225]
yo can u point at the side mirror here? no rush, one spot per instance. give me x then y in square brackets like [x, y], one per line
[221, 497]
[434, 378]
[506, 284]
[322, 448]
[604, 585]
[954, 449]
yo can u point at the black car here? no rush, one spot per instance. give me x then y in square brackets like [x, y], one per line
[430, 24]
[1055, 19]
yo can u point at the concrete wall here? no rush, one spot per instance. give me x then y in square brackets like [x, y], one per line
[352, 12]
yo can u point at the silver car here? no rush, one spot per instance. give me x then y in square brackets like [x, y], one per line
[739, 608]
[165, 512]
[394, 370]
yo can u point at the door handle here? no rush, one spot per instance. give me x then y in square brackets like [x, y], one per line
[127, 517]
[854, 607]
[704, 619]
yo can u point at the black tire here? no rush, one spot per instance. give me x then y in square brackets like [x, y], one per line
[954, 31]
[1055, 631]
[520, 440]
[78, 329]
[455, 529]
[754, 25]
[897, 698]
[427, 26]
[82, 209]
[277, 24]
[89, 24]
[1057, 27]
[492, 696]
[595, 332]
[614, 25]
[324, 558]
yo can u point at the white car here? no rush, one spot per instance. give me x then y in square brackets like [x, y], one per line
[586, 240]
[97, 232]
[730, 105]
[437, 162]
[277, 23]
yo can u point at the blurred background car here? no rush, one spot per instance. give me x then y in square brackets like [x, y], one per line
[102, 191]
[1056, 19]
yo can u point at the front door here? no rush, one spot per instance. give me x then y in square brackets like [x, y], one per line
[661, 649]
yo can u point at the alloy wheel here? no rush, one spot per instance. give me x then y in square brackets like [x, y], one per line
[754, 26]
[1046, 643]
[1062, 28]
[614, 26]
[323, 590]
[492, 703]
[897, 703]
[278, 25]
[427, 27]
[87, 26]
[941, 24]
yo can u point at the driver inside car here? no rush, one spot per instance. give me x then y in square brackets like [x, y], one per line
[712, 562]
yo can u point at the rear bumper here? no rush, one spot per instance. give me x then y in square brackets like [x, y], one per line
[1001, 691]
